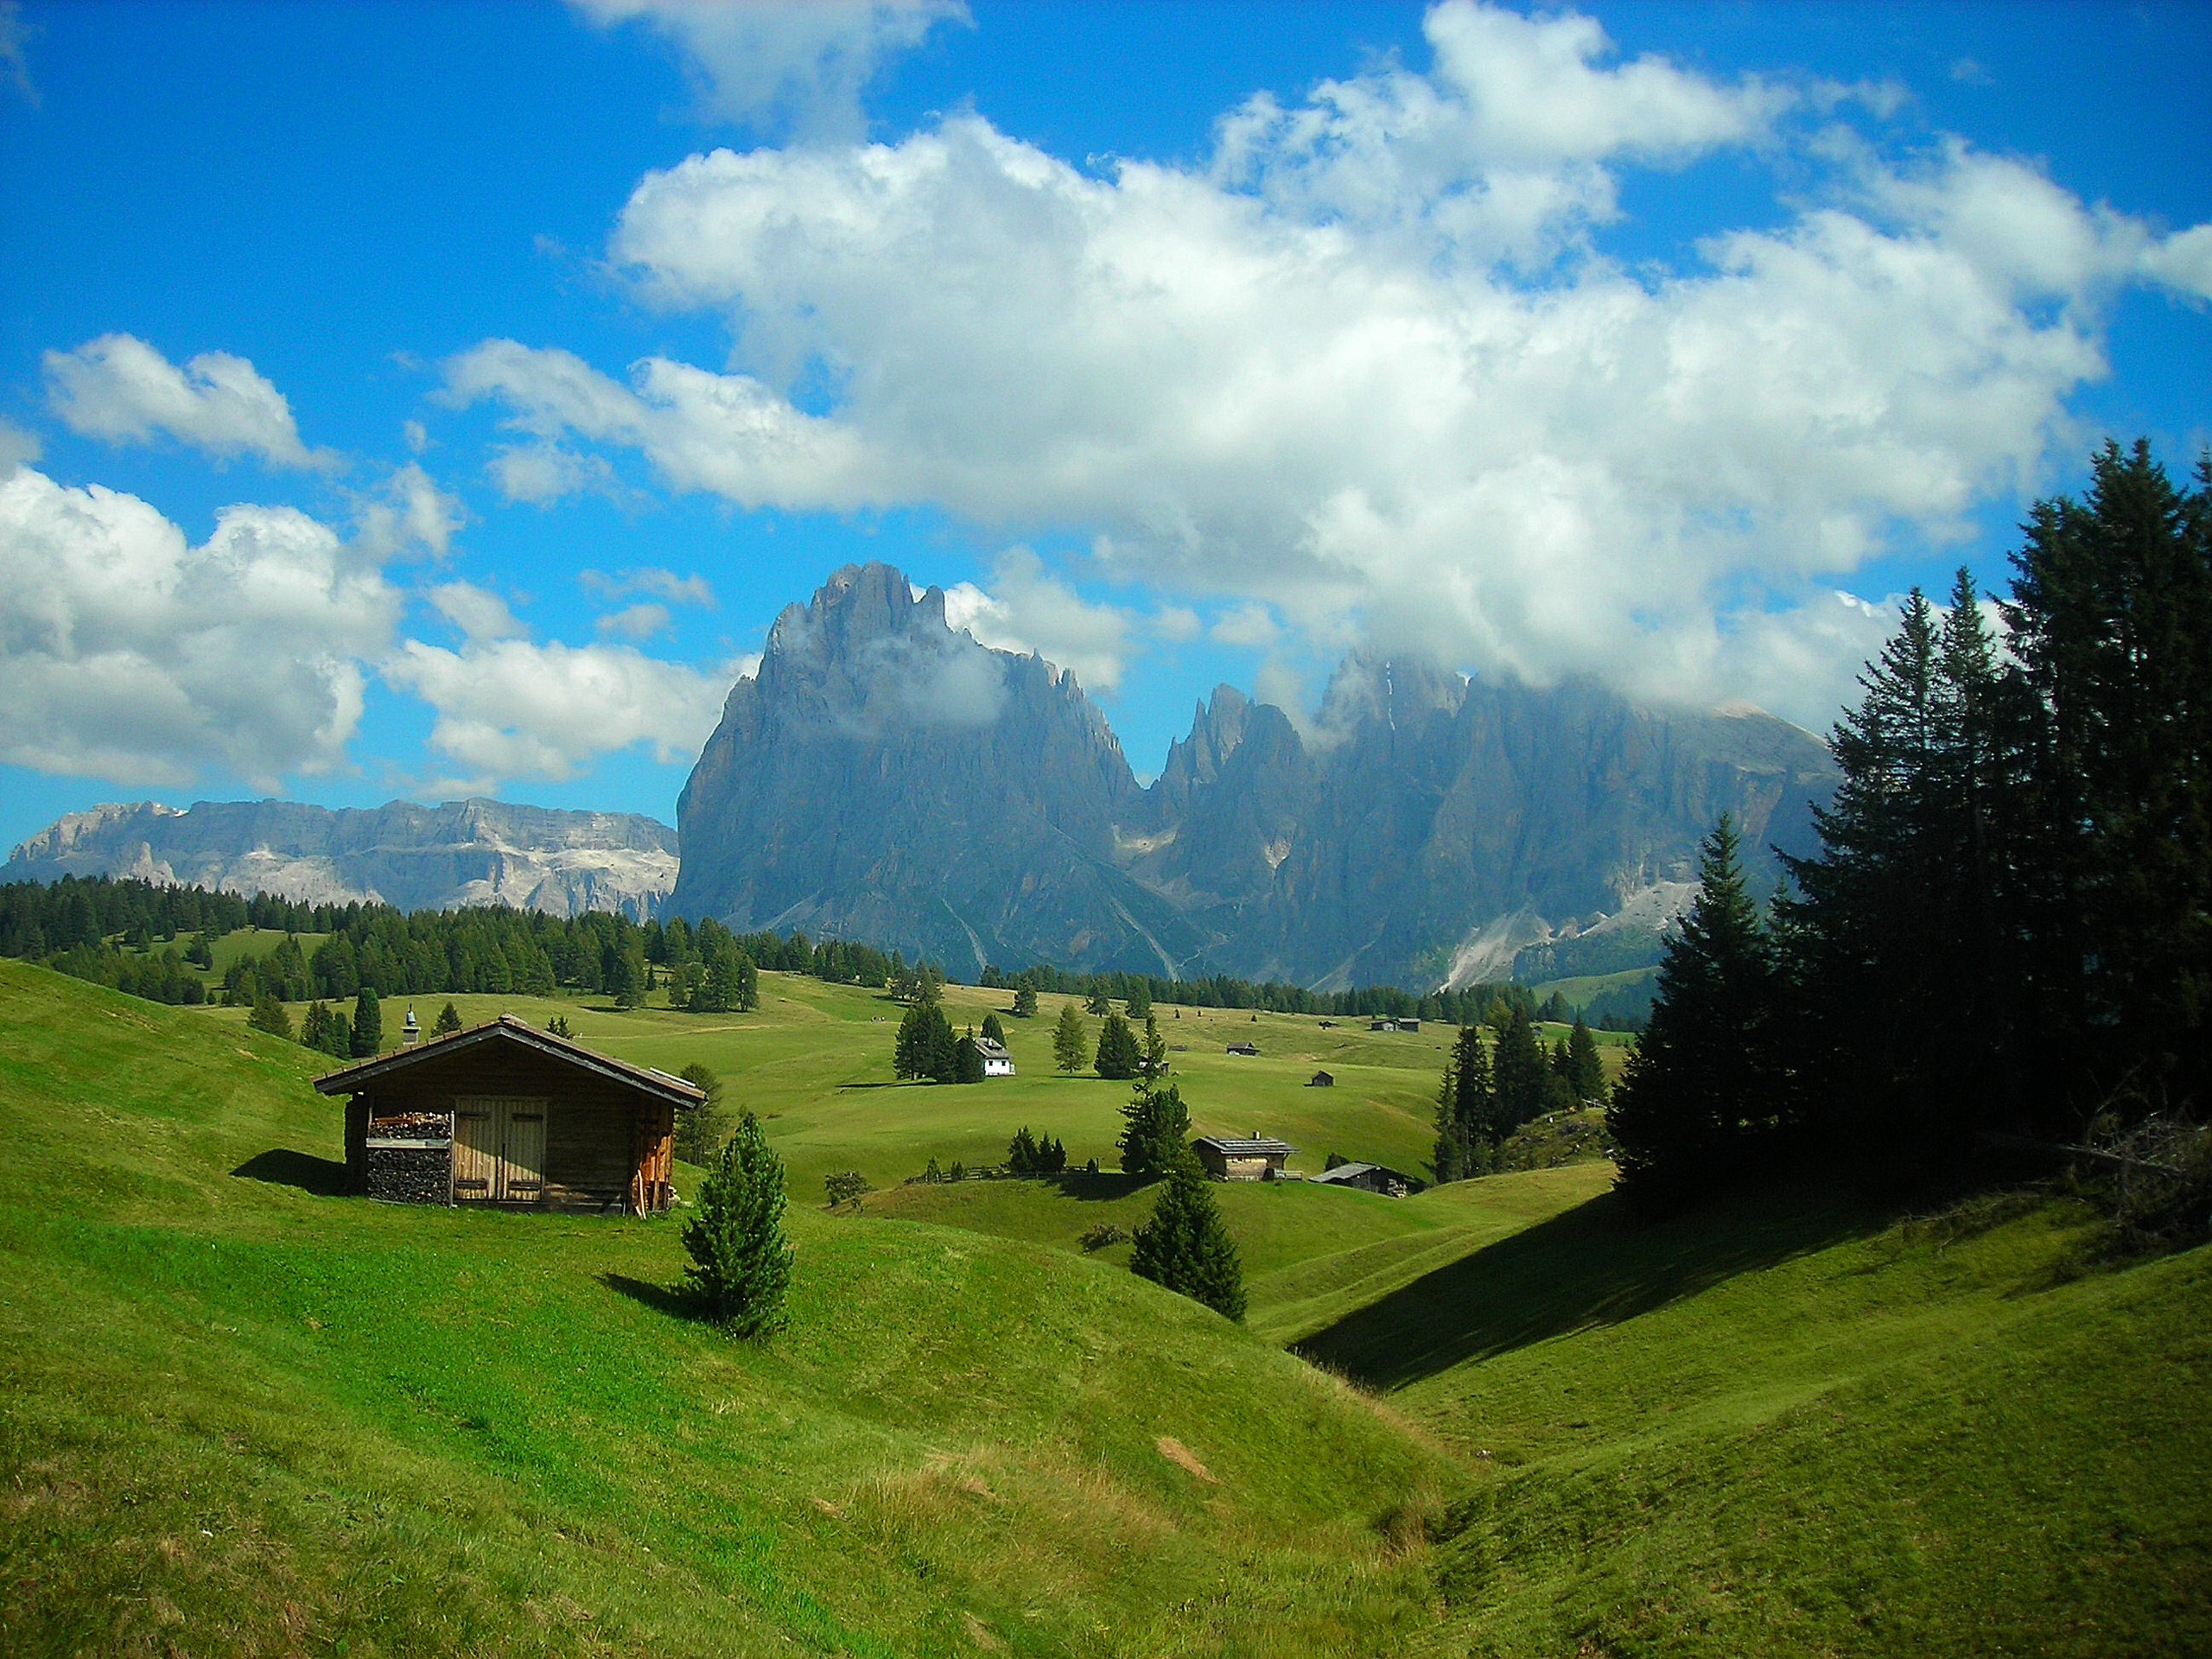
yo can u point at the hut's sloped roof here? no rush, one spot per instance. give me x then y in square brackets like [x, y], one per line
[1247, 1146]
[367, 1074]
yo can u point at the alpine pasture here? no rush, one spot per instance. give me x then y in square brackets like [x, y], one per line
[244, 1414]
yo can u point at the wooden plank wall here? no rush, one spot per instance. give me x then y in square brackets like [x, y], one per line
[591, 1129]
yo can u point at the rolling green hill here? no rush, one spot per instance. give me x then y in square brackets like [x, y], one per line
[240, 1415]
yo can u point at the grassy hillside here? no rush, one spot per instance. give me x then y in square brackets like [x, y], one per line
[237, 1415]
[815, 1062]
[240, 1416]
[1784, 1427]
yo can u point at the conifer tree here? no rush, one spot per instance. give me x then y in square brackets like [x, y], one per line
[1139, 1003]
[1698, 1106]
[1185, 1246]
[741, 1266]
[1524, 1090]
[1119, 1057]
[967, 1061]
[994, 1030]
[1467, 1117]
[268, 1015]
[448, 1021]
[1156, 1125]
[1024, 1002]
[1071, 1040]
[1586, 1068]
[368, 1024]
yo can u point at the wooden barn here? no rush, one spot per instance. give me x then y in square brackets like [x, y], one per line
[1253, 1157]
[506, 1114]
[1370, 1177]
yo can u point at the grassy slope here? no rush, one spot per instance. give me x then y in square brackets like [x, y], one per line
[247, 1418]
[1777, 1427]
[815, 1062]
[1782, 1427]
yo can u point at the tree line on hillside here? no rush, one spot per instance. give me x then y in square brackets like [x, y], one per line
[1500, 1077]
[2006, 930]
[125, 934]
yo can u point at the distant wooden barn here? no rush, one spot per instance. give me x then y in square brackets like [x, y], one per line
[1253, 1157]
[506, 1114]
[1246, 1049]
[1369, 1178]
[1321, 1080]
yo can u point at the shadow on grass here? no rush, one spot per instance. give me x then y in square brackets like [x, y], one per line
[325, 1177]
[1103, 1187]
[659, 1298]
[1593, 1265]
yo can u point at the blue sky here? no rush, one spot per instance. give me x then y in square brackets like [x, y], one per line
[427, 400]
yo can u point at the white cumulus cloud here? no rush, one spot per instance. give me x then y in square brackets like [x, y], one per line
[800, 63]
[119, 388]
[127, 653]
[1034, 611]
[1367, 365]
[512, 709]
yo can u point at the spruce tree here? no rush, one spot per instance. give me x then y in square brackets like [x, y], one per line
[908, 1057]
[1586, 1068]
[1697, 1106]
[967, 1061]
[268, 1015]
[1523, 1086]
[1156, 1126]
[1185, 1246]
[1466, 1118]
[1071, 1040]
[994, 1030]
[1119, 1057]
[2111, 621]
[368, 1024]
[1025, 1003]
[448, 1021]
[741, 1267]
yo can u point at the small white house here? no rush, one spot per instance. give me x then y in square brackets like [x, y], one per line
[997, 1063]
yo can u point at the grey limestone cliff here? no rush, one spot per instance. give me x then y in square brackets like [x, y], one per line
[885, 778]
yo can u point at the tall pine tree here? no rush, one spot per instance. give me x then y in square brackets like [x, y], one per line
[1700, 1105]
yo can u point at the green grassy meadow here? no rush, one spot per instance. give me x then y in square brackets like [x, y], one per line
[239, 1415]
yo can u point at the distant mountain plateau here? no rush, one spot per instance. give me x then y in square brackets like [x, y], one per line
[415, 857]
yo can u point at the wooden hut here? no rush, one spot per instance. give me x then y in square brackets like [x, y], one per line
[1322, 1080]
[1253, 1157]
[1369, 1178]
[506, 1114]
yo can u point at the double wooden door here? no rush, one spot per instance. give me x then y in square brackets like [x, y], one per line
[498, 1150]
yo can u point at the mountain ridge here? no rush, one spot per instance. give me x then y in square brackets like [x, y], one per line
[883, 776]
[404, 854]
